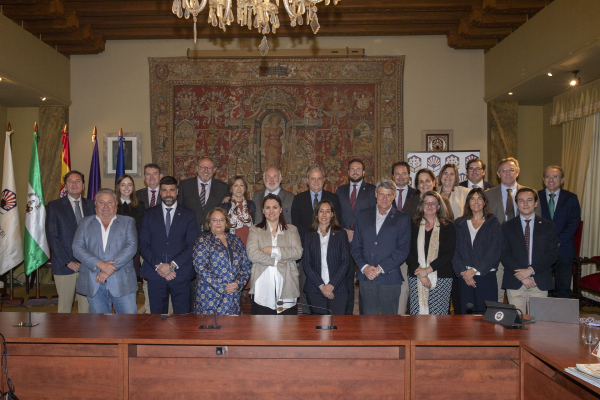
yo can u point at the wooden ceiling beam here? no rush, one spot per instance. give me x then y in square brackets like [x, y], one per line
[484, 19]
[458, 42]
[80, 36]
[59, 25]
[466, 30]
[18, 2]
[513, 6]
[96, 46]
[42, 10]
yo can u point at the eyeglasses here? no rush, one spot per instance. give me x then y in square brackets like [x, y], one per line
[511, 170]
[201, 168]
[430, 204]
[221, 220]
[472, 169]
[551, 177]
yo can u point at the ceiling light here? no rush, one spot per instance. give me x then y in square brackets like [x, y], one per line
[549, 73]
[576, 80]
[43, 98]
[0, 78]
[510, 93]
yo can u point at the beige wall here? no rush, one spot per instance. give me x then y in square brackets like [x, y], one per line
[530, 153]
[552, 139]
[3, 124]
[443, 88]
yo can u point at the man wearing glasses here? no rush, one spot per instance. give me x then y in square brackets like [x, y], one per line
[203, 192]
[475, 175]
[502, 202]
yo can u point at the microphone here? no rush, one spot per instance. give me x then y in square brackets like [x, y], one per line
[167, 316]
[280, 303]
[215, 326]
[503, 306]
[25, 324]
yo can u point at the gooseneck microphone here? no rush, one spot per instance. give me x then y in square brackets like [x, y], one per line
[280, 303]
[25, 324]
[215, 326]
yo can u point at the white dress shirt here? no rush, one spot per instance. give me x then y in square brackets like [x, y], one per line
[557, 193]
[156, 193]
[72, 200]
[206, 188]
[505, 197]
[357, 188]
[472, 185]
[473, 233]
[164, 210]
[378, 223]
[106, 231]
[404, 191]
[275, 192]
[531, 226]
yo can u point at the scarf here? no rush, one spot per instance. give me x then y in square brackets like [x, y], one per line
[238, 218]
[434, 245]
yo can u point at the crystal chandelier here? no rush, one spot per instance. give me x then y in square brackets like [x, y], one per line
[260, 14]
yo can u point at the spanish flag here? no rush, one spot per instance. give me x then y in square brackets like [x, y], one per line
[66, 161]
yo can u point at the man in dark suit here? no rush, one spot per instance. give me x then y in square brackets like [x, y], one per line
[202, 193]
[381, 244]
[302, 212]
[150, 195]
[530, 249]
[401, 177]
[354, 196]
[61, 223]
[502, 203]
[475, 175]
[562, 208]
[167, 238]
[272, 179]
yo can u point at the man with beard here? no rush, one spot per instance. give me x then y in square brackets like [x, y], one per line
[167, 238]
[354, 196]
[272, 178]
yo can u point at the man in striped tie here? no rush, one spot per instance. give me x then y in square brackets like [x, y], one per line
[530, 249]
[150, 195]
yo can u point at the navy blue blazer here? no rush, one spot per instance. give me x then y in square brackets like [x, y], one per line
[302, 210]
[157, 248]
[365, 198]
[486, 185]
[544, 252]
[338, 255]
[251, 208]
[484, 253]
[410, 192]
[60, 231]
[388, 249]
[567, 215]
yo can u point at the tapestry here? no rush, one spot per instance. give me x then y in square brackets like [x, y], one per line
[250, 114]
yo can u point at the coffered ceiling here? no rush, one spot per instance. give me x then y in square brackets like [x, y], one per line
[83, 26]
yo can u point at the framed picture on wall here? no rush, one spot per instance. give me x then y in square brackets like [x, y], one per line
[437, 139]
[132, 154]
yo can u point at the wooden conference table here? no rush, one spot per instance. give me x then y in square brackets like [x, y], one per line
[71, 356]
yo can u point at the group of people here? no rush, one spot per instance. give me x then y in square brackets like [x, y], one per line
[200, 242]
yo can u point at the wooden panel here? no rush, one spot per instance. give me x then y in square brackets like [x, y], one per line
[466, 379]
[176, 378]
[63, 350]
[261, 352]
[53, 378]
[539, 387]
[466, 353]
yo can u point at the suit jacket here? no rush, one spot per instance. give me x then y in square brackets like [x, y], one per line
[365, 198]
[302, 209]
[291, 249]
[156, 247]
[60, 231]
[136, 213]
[388, 249]
[484, 253]
[567, 214]
[286, 200]
[443, 263]
[189, 197]
[496, 205]
[410, 192]
[544, 252]
[338, 254]
[486, 185]
[144, 197]
[120, 247]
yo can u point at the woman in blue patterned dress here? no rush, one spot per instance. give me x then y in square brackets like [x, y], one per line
[222, 266]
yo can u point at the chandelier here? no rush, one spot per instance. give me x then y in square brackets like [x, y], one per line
[260, 14]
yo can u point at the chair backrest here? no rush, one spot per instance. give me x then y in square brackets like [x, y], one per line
[578, 238]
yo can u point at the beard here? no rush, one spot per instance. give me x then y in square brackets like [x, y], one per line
[355, 180]
[169, 201]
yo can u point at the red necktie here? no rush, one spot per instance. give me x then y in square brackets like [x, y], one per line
[527, 238]
[153, 198]
[353, 198]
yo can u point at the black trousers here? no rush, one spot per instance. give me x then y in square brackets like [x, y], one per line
[337, 305]
[257, 309]
[563, 272]
[487, 289]
[158, 293]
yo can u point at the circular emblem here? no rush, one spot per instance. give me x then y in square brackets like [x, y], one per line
[389, 67]
[162, 71]
[499, 316]
[33, 203]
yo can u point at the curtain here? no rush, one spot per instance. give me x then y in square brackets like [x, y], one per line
[576, 103]
[576, 145]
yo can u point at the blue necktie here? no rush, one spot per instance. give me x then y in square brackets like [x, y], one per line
[168, 224]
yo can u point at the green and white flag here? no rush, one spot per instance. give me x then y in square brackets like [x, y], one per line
[36, 249]
[11, 248]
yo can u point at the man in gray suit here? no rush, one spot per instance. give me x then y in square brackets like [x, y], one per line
[502, 202]
[272, 178]
[105, 244]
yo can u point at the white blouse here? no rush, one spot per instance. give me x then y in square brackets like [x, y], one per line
[324, 266]
[271, 281]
